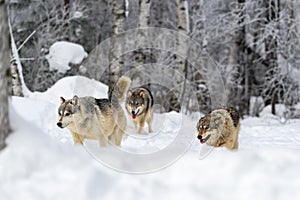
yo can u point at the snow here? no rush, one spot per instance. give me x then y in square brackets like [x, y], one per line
[77, 15]
[62, 53]
[41, 162]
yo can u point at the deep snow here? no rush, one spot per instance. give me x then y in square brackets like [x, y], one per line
[41, 162]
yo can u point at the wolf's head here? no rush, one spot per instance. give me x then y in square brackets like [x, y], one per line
[135, 102]
[66, 111]
[203, 127]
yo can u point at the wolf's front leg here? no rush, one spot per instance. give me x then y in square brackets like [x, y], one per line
[149, 122]
[103, 140]
[140, 125]
[77, 138]
[140, 128]
[236, 143]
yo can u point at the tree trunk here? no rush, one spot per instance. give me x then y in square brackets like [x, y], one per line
[144, 13]
[142, 39]
[16, 82]
[273, 102]
[272, 15]
[196, 70]
[116, 46]
[239, 94]
[181, 55]
[4, 67]
[296, 11]
[141, 54]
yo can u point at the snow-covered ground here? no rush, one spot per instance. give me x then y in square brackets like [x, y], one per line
[41, 162]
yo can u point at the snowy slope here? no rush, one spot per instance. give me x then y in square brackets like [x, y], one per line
[41, 161]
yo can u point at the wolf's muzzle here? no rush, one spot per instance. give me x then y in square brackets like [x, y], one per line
[203, 140]
[134, 113]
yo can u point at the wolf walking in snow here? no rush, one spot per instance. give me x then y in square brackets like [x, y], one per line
[139, 103]
[98, 119]
[220, 128]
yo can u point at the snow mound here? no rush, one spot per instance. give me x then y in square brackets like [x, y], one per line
[70, 86]
[280, 111]
[62, 53]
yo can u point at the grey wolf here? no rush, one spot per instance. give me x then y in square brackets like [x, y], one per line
[220, 128]
[139, 105]
[98, 119]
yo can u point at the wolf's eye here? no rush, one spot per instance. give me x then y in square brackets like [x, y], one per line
[59, 114]
[67, 114]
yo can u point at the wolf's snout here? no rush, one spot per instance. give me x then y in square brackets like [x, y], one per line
[59, 124]
[199, 137]
[133, 114]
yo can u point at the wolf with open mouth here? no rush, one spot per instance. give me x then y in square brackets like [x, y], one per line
[220, 128]
[139, 105]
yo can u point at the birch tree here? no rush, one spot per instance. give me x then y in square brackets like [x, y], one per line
[4, 67]
[141, 54]
[16, 81]
[180, 67]
[116, 46]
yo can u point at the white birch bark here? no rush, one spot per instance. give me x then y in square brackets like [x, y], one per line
[116, 46]
[16, 82]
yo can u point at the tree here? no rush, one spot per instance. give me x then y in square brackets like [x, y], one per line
[282, 53]
[4, 67]
[16, 82]
[180, 68]
[272, 17]
[239, 93]
[36, 25]
[116, 46]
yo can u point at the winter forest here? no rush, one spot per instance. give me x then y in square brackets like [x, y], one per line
[193, 55]
[254, 44]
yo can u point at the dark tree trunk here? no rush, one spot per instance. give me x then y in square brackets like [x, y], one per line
[241, 94]
[272, 15]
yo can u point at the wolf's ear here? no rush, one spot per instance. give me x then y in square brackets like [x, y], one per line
[129, 93]
[62, 100]
[75, 100]
[142, 94]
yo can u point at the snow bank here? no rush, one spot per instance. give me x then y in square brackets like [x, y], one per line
[70, 86]
[280, 111]
[62, 53]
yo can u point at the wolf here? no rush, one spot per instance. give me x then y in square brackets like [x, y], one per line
[139, 105]
[220, 128]
[97, 119]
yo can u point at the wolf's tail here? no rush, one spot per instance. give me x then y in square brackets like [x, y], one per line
[234, 115]
[120, 88]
